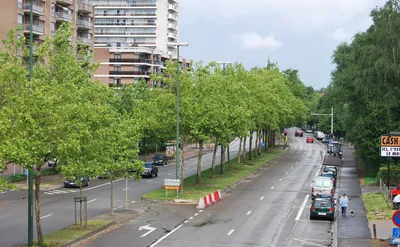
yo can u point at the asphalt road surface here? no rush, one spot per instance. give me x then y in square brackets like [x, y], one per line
[57, 210]
[269, 209]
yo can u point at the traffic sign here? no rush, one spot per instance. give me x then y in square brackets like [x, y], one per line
[390, 145]
[172, 187]
[396, 218]
[330, 140]
[26, 172]
[395, 236]
[262, 144]
[172, 182]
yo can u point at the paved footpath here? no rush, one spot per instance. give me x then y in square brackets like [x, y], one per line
[353, 231]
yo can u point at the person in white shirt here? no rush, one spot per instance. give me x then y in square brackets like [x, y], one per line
[344, 203]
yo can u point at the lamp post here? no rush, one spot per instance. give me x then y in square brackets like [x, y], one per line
[30, 175]
[177, 153]
[326, 114]
[221, 171]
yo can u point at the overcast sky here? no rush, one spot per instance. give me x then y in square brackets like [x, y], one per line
[298, 34]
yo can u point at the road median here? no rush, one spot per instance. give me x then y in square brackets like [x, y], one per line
[234, 175]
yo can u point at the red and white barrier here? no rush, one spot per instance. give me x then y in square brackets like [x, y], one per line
[209, 199]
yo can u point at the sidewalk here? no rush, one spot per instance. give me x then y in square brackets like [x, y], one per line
[352, 231]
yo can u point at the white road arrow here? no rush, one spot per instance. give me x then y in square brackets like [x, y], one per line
[148, 228]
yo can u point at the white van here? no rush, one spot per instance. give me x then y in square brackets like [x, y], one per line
[322, 185]
[319, 135]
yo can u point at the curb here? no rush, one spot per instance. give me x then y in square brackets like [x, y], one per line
[102, 230]
[232, 186]
[175, 201]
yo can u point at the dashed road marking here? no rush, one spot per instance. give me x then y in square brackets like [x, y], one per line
[186, 221]
[150, 180]
[169, 174]
[92, 200]
[248, 213]
[291, 167]
[230, 232]
[126, 189]
[72, 191]
[3, 192]
[196, 214]
[45, 216]
[200, 211]
[190, 218]
[165, 236]
[261, 198]
[132, 201]
[287, 173]
[272, 187]
[280, 179]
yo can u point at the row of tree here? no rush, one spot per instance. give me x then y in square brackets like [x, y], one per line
[61, 113]
[365, 88]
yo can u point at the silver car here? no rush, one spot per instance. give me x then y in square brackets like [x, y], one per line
[322, 185]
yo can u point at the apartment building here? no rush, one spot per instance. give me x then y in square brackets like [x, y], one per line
[47, 18]
[134, 38]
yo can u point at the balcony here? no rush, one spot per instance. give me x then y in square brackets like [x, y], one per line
[129, 60]
[85, 7]
[173, 7]
[64, 2]
[37, 28]
[172, 35]
[112, 23]
[85, 40]
[84, 24]
[37, 9]
[124, 14]
[172, 26]
[63, 16]
[173, 17]
[144, 73]
[136, 4]
[124, 33]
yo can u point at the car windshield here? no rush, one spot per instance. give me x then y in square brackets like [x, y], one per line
[158, 156]
[322, 203]
[147, 165]
[323, 183]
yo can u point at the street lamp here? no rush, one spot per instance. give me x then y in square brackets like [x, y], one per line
[177, 153]
[221, 171]
[321, 114]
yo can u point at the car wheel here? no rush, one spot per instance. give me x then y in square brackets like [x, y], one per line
[311, 217]
[164, 163]
[156, 174]
[332, 218]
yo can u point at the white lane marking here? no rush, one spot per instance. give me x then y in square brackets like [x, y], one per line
[196, 214]
[92, 200]
[200, 211]
[287, 173]
[190, 218]
[150, 180]
[101, 185]
[291, 167]
[272, 187]
[169, 174]
[186, 221]
[302, 207]
[230, 232]
[3, 192]
[132, 201]
[280, 179]
[296, 163]
[48, 193]
[58, 192]
[120, 206]
[126, 189]
[72, 191]
[165, 236]
[248, 213]
[45, 216]
[306, 242]
[261, 198]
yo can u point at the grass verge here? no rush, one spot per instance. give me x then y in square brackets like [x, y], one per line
[369, 181]
[376, 206]
[232, 174]
[22, 177]
[63, 236]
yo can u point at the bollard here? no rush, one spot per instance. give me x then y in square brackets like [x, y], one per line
[374, 229]
[331, 235]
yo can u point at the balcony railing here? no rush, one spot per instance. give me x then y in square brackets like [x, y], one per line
[65, 2]
[172, 35]
[124, 14]
[173, 26]
[123, 24]
[173, 7]
[171, 16]
[115, 72]
[63, 16]
[129, 60]
[138, 43]
[85, 23]
[113, 4]
[36, 8]
[121, 33]
[85, 7]
[38, 29]
[85, 40]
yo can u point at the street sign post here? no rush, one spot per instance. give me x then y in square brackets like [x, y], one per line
[172, 184]
[390, 146]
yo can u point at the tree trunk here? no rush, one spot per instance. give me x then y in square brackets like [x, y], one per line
[240, 150]
[182, 176]
[198, 175]
[256, 145]
[213, 159]
[112, 195]
[244, 149]
[250, 144]
[37, 208]
[229, 156]
[265, 140]
[221, 171]
[80, 206]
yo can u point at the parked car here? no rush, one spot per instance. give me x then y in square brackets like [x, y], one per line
[52, 162]
[309, 140]
[68, 183]
[322, 208]
[298, 133]
[309, 131]
[322, 185]
[323, 196]
[160, 159]
[150, 170]
[330, 169]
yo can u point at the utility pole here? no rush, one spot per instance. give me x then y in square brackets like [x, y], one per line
[325, 114]
[30, 174]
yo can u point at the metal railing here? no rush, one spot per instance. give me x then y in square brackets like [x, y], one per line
[85, 23]
[124, 14]
[35, 7]
[122, 33]
[129, 60]
[64, 16]
[123, 24]
[35, 28]
[117, 72]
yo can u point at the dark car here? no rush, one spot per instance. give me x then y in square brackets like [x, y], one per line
[150, 170]
[322, 208]
[298, 133]
[160, 159]
[52, 162]
[68, 183]
[324, 196]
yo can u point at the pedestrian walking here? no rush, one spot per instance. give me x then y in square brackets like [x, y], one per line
[344, 203]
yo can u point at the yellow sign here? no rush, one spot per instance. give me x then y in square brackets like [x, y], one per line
[390, 141]
[171, 187]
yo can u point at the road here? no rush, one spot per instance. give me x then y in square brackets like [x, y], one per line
[270, 209]
[57, 210]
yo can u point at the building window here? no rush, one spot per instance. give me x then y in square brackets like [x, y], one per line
[20, 4]
[117, 68]
[117, 56]
[20, 19]
[118, 44]
[117, 81]
[52, 28]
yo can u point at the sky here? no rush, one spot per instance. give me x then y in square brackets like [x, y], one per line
[297, 34]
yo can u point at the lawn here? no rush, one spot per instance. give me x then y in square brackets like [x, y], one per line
[22, 177]
[232, 174]
[376, 205]
[73, 232]
[369, 181]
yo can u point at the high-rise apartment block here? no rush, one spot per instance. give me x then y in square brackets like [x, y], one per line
[47, 17]
[134, 38]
